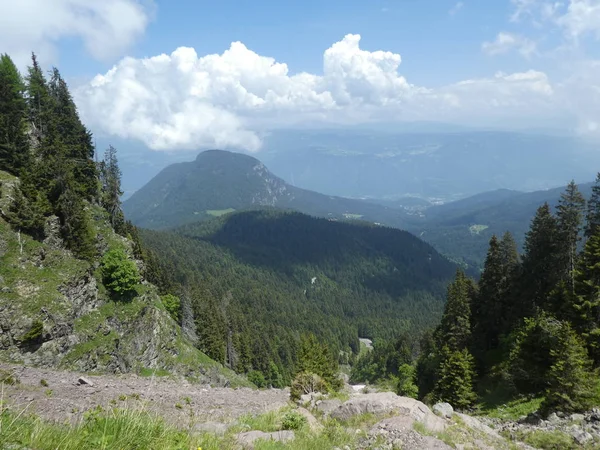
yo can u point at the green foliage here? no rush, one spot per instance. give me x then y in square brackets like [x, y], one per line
[172, 305]
[293, 420]
[383, 361]
[34, 334]
[257, 378]
[120, 273]
[25, 215]
[548, 440]
[14, 149]
[455, 378]
[307, 383]
[455, 327]
[110, 179]
[406, 381]
[316, 358]
[7, 377]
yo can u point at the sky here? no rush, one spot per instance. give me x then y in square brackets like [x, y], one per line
[185, 75]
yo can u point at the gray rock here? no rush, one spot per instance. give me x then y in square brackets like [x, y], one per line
[248, 438]
[577, 417]
[327, 406]
[312, 421]
[443, 409]
[211, 427]
[581, 437]
[388, 402]
[553, 418]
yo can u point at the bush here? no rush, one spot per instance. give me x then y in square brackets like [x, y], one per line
[7, 377]
[307, 383]
[257, 378]
[293, 420]
[119, 272]
[172, 305]
[406, 382]
[34, 334]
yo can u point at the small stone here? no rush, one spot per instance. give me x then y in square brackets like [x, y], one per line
[553, 418]
[577, 417]
[582, 437]
[83, 380]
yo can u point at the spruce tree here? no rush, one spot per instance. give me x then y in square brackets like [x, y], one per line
[14, 146]
[541, 269]
[569, 214]
[110, 178]
[454, 330]
[455, 378]
[584, 307]
[39, 104]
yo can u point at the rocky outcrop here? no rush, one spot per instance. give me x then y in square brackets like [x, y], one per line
[387, 403]
[398, 432]
[248, 438]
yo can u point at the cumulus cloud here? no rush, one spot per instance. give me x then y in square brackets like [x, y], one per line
[185, 101]
[106, 27]
[506, 42]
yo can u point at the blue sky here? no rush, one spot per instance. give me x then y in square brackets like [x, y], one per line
[185, 75]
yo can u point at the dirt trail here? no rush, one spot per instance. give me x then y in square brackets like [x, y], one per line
[178, 401]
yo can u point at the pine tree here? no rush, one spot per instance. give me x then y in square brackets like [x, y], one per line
[39, 104]
[454, 330]
[592, 217]
[14, 147]
[542, 256]
[569, 214]
[316, 358]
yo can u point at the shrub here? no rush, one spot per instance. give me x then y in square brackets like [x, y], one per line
[293, 420]
[307, 383]
[119, 272]
[257, 378]
[34, 334]
[406, 381]
[7, 377]
[172, 305]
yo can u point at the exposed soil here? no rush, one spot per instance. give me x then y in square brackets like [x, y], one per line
[61, 397]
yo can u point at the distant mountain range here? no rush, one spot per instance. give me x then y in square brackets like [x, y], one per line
[444, 165]
[220, 182]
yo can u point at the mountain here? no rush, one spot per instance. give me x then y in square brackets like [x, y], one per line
[462, 229]
[219, 181]
[266, 276]
[446, 166]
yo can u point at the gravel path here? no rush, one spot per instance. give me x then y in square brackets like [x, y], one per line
[61, 397]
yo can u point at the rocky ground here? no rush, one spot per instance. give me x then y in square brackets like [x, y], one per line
[59, 395]
[395, 422]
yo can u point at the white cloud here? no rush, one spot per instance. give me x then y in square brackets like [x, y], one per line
[456, 8]
[506, 42]
[106, 27]
[182, 101]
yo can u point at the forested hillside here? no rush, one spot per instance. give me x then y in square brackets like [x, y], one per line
[74, 289]
[529, 329]
[219, 181]
[257, 280]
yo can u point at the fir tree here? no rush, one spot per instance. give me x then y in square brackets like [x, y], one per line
[39, 104]
[14, 147]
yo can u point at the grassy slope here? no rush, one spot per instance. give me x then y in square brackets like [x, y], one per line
[105, 335]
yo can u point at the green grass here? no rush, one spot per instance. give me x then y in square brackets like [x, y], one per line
[548, 440]
[129, 429]
[219, 212]
[511, 409]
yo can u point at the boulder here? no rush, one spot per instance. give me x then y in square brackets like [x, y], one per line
[85, 381]
[443, 410]
[312, 421]
[388, 402]
[398, 432]
[211, 427]
[247, 439]
[327, 406]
